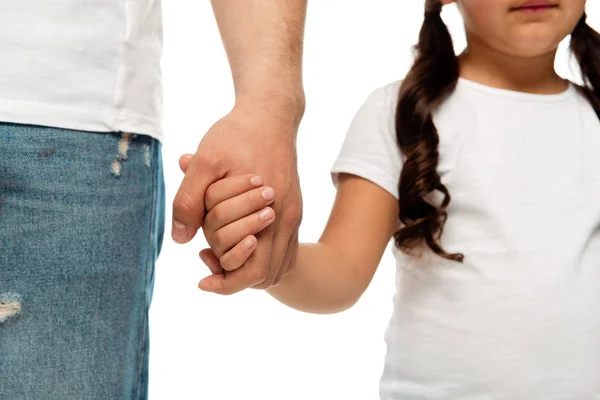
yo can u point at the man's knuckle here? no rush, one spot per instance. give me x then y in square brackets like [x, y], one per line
[185, 203]
[209, 197]
[208, 159]
[292, 214]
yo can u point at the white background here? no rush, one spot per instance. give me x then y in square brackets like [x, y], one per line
[249, 346]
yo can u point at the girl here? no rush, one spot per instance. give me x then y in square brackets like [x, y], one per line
[497, 151]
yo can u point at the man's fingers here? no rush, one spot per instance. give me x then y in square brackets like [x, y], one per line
[278, 252]
[242, 278]
[188, 205]
[285, 227]
[212, 262]
[288, 261]
[230, 187]
[237, 256]
[184, 162]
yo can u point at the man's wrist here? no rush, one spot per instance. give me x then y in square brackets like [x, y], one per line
[286, 103]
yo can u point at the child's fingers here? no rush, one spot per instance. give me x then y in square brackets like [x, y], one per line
[237, 256]
[233, 209]
[209, 258]
[229, 187]
[228, 236]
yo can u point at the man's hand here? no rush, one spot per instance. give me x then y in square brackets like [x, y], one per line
[263, 42]
[256, 139]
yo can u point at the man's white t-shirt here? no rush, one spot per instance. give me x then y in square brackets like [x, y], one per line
[86, 65]
[520, 318]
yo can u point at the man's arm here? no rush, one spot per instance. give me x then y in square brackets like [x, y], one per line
[263, 40]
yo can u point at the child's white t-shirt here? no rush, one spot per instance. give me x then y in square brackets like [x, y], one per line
[520, 319]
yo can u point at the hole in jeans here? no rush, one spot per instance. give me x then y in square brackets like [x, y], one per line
[123, 148]
[10, 306]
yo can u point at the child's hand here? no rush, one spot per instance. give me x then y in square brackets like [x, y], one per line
[236, 211]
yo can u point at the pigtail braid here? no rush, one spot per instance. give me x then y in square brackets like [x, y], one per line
[431, 80]
[585, 45]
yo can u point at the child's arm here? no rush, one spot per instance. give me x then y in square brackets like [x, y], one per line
[331, 275]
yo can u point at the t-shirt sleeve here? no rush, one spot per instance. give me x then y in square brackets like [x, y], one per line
[370, 150]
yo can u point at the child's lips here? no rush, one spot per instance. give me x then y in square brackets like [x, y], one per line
[535, 6]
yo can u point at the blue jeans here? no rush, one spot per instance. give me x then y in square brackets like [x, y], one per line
[81, 226]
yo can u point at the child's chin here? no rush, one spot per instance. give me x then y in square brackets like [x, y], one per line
[535, 41]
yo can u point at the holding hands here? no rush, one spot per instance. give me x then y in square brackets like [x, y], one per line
[237, 209]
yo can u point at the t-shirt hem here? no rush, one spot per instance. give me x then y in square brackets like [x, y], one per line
[92, 120]
[366, 171]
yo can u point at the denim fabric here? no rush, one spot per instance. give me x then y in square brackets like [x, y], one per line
[81, 226]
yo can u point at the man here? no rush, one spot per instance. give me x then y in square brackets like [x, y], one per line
[81, 184]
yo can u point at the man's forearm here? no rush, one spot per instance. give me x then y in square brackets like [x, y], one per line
[263, 40]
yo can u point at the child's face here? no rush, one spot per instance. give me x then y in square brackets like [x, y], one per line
[524, 28]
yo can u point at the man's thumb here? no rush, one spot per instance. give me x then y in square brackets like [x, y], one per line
[184, 162]
[188, 204]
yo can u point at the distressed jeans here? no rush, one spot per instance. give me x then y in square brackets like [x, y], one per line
[81, 226]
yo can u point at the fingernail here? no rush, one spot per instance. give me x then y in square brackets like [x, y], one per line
[256, 180]
[266, 214]
[268, 193]
[179, 232]
[248, 243]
